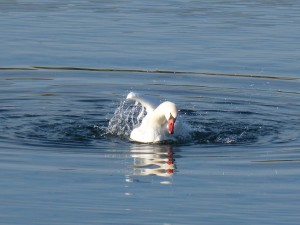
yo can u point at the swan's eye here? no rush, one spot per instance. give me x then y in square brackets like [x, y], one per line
[171, 117]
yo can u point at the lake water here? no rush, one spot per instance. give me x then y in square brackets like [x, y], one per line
[231, 67]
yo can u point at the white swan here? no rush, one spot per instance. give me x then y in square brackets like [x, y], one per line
[158, 124]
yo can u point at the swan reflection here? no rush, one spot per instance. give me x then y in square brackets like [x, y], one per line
[152, 160]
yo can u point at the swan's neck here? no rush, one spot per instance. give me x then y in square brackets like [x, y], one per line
[158, 116]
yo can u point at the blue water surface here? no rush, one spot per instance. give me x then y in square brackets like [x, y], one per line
[231, 67]
[256, 37]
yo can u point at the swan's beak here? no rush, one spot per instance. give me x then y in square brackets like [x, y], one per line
[171, 123]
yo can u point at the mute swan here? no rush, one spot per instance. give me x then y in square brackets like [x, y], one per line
[158, 124]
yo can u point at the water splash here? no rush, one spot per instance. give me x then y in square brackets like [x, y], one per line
[192, 128]
[125, 118]
[128, 116]
[226, 132]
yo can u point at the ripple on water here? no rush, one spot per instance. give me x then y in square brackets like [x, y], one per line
[195, 131]
[212, 115]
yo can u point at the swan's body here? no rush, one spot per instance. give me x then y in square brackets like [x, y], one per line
[158, 124]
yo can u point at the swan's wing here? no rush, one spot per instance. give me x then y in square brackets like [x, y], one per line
[145, 101]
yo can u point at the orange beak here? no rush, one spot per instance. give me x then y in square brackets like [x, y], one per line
[171, 123]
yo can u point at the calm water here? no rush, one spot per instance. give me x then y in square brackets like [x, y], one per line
[65, 155]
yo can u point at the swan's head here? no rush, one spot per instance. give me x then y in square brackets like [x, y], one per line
[170, 110]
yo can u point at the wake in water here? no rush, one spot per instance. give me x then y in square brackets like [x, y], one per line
[197, 127]
[194, 128]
